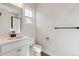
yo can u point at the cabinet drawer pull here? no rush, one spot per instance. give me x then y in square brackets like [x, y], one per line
[18, 50]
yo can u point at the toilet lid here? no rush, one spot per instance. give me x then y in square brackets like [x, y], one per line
[37, 48]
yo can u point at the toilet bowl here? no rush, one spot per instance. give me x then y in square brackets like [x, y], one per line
[36, 50]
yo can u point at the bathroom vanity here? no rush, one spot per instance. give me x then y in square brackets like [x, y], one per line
[11, 22]
[16, 46]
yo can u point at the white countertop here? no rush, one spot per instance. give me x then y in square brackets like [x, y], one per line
[11, 40]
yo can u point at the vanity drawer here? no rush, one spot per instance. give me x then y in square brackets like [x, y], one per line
[13, 45]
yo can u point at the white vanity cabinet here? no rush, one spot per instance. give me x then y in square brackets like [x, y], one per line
[17, 47]
[23, 51]
[10, 53]
[17, 52]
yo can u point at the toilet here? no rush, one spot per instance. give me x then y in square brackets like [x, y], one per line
[36, 50]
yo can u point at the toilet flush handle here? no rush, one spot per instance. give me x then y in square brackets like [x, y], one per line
[47, 38]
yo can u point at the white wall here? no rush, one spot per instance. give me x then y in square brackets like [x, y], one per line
[61, 42]
[29, 29]
[5, 22]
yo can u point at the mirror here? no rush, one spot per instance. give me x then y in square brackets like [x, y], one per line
[6, 22]
[15, 24]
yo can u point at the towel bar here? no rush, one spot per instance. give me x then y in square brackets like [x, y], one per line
[66, 27]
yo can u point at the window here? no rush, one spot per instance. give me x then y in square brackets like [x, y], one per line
[28, 16]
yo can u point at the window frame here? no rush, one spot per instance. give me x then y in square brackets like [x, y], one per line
[29, 22]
